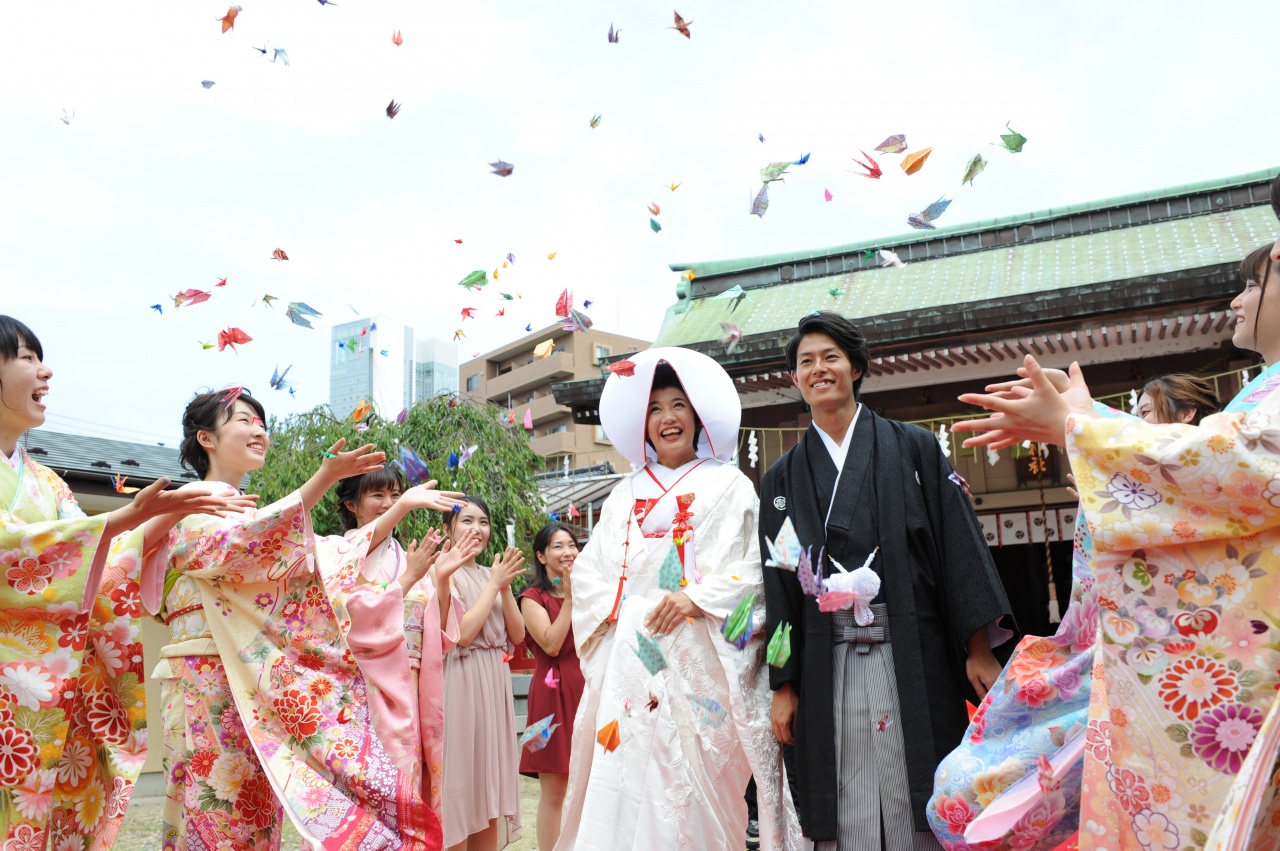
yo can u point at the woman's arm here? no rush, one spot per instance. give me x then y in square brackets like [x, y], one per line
[549, 634]
[511, 616]
[339, 465]
[421, 496]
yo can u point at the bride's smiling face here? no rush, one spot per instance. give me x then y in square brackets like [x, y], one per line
[670, 426]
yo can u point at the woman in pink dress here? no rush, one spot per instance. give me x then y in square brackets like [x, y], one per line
[481, 797]
[556, 687]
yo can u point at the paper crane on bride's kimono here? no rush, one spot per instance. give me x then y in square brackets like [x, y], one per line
[740, 624]
[608, 736]
[707, 709]
[536, 735]
[851, 589]
[298, 311]
[671, 572]
[650, 653]
[923, 219]
[736, 293]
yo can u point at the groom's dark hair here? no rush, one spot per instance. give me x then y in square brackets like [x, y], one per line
[844, 332]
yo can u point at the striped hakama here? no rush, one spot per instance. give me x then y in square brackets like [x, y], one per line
[874, 797]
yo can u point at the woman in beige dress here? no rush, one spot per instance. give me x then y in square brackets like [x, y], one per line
[481, 796]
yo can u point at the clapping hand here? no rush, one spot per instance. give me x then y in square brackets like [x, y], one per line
[419, 556]
[507, 568]
[455, 554]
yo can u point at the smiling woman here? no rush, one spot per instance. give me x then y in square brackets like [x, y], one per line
[61, 566]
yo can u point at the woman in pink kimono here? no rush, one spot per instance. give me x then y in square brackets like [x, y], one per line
[481, 797]
[264, 707]
[72, 718]
[393, 618]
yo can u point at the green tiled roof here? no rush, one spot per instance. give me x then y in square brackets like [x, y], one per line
[723, 267]
[1006, 272]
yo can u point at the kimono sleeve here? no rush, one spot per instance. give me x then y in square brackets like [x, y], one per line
[971, 592]
[1176, 484]
[597, 569]
[50, 561]
[729, 555]
[783, 597]
[257, 546]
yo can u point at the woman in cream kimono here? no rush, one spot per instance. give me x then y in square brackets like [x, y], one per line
[661, 760]
[1185, 528]
[72, 705]
[264, 706]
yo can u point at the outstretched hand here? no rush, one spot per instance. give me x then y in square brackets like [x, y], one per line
[419, 556]
[507, 568]
[423, 496]
[1038, 413]
[343, 465]
[155, 501]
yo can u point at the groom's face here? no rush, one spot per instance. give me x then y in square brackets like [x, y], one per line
[824, 374]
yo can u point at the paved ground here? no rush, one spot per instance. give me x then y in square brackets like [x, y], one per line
[142, 824]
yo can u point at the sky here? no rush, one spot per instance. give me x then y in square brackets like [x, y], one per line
[159, 185]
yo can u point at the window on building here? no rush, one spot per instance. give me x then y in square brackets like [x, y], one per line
[473, 383]
[602, 352]
[560, 429]
[601, 437]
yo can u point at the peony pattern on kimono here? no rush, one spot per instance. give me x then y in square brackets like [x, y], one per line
[1186, 526]
[72, 707]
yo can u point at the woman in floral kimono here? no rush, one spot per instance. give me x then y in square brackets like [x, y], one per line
[393, 618]
[1185, 526]
[72, 713]
[664, 745]
[264, 705]
[1042, 697]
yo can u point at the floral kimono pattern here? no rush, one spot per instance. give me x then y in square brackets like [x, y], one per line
[1186, 529]
[267, 705]
[1040, 700]
[72, 707]
[399, 646]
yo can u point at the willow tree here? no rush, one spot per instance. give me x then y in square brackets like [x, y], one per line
[500, 472]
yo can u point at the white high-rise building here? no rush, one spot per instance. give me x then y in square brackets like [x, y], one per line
[377, 359]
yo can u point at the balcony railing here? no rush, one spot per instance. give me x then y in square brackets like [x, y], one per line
[560, 443]
[555, 367]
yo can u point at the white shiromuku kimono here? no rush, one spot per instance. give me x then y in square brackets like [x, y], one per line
[678, 777]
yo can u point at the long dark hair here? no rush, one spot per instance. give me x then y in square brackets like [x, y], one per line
[452, 516]
[1256, 260]
[206, 412]
[541, 541]
[1174, 394]
[352, 490]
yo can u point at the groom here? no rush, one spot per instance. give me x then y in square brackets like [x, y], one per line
[872, 710]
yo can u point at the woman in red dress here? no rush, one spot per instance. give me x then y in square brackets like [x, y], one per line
[556, 687]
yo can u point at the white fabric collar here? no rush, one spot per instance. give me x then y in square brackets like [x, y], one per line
[839, 452]
[15, 461]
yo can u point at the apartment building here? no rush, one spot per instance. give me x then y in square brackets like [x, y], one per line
[513, 378]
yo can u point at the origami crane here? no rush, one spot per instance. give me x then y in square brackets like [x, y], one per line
[707, 709]
[536, 735]
[476, 280]
[613, 34]
[622, 368]
[779, 650]
[873, 170]
[277, 378]
[551, 680]
[923, 219]
[735, 293]
[738, 626]
[889, 258]
[1012, 141]
[191, 296]
[595, 121]
[732, 336]
[895, 144]
[362, 410]
[298, 311]
[826, 193]
[784, 550]
[851, 589]
[118, 482]
[279, 254]
[608, 736]
[650, 653]
[760, 205]
[502, 169]
[229, 19]
[774, 171]
[415, 472]
[654, 226]
[576, 321]
[973, 169]
[232, 337]
[671, 572]
[543, 349]
[914, 161]
[809, 571]
[682, 26]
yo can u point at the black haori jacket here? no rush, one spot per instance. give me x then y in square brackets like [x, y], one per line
[897, 491]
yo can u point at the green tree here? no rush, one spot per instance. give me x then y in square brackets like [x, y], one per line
[500, 472]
